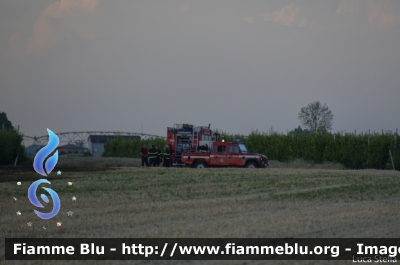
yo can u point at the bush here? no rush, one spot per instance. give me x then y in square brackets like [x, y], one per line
[87, 154]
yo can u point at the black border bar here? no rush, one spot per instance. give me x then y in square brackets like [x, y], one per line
[232, 248]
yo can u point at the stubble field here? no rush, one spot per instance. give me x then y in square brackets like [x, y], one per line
[134, 202]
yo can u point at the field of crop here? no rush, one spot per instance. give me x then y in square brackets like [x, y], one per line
[157, 202]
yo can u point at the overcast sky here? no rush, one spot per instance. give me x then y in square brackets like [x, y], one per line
[73, 65]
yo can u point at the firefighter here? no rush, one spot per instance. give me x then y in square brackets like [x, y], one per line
[167, 157]
[152, 156]
[159, 155]
[143, 155]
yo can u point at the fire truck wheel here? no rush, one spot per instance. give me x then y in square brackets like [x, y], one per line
[200, 165]
[251, 164]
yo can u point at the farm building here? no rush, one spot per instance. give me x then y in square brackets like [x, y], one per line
[71, 149]
[62, 150]
[96, 142]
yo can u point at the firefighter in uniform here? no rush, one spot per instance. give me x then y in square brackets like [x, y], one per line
[152, 156]
[167, 157]
[159, 156]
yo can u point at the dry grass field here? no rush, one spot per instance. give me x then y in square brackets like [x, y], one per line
[107, 162]
[181, 202]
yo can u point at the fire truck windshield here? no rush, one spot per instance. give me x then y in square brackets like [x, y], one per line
[242, 148]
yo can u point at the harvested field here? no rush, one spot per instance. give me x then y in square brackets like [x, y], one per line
[158, 202]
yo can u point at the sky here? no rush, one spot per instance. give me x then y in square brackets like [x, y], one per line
[98, 65]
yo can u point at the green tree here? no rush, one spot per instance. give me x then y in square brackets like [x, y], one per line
[4, 122]
[316, 117]
[10, 142]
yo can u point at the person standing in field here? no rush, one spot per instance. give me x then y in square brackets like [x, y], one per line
[152, 156]
[167, 157]
[159, 156]
[143, 155]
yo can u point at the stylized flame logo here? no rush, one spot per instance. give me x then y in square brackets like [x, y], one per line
[38, 166]
[44, 152]
[32, 197]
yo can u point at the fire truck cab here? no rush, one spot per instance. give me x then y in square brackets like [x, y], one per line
[225, 154]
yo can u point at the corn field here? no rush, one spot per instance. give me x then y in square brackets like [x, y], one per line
[353, 151]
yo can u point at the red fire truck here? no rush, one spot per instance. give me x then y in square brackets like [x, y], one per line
[199, 147]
